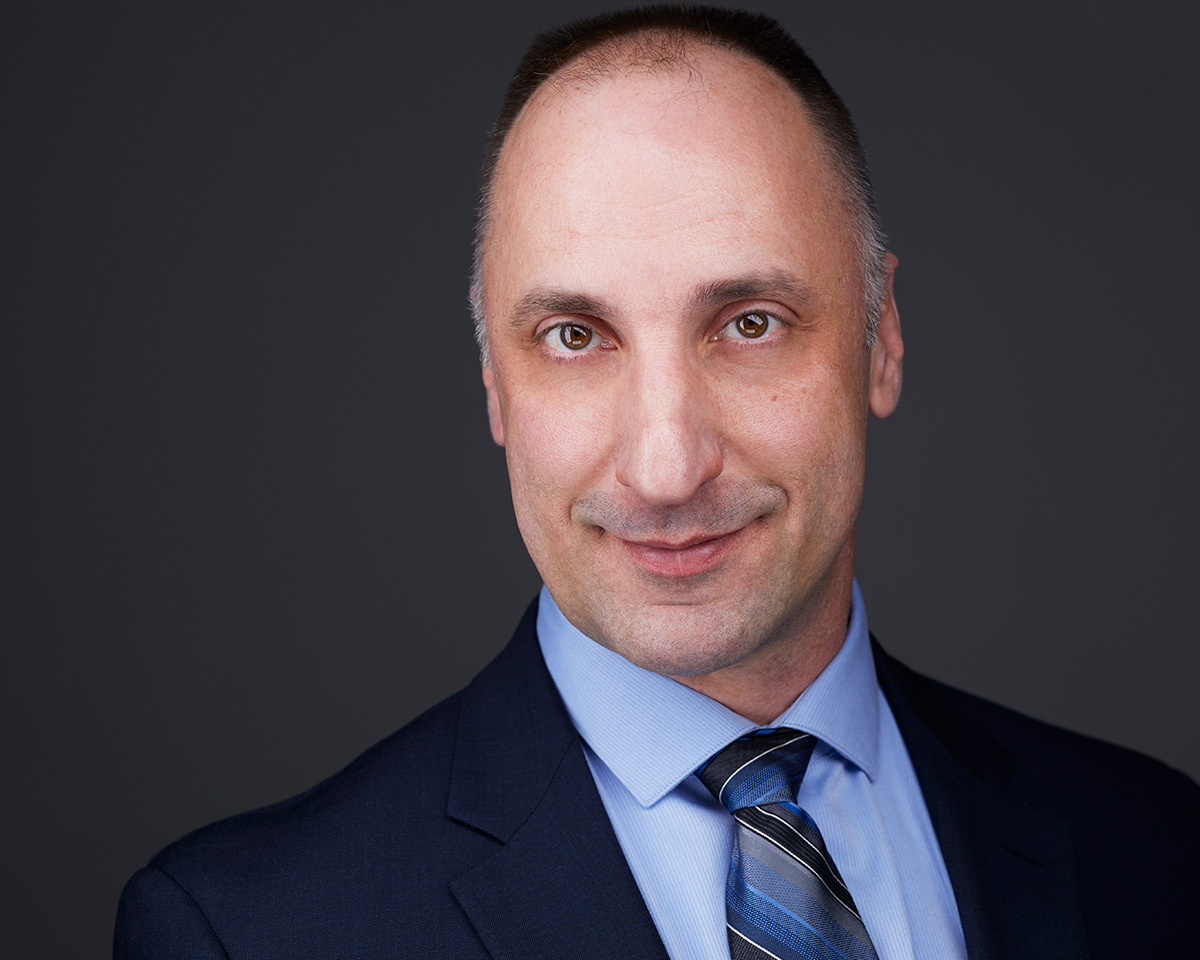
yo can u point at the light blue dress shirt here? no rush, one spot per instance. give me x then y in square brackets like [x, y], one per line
[646, 734]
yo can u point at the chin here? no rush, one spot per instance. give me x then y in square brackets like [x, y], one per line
[682, 641]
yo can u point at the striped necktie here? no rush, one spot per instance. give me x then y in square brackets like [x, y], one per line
[784, 897]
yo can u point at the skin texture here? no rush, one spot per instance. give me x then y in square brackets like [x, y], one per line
[687, 484]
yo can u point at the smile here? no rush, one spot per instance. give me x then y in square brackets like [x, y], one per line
[684, 559]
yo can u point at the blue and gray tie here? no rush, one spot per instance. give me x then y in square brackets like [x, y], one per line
[784, 897]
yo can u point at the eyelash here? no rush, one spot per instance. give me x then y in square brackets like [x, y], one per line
[773, 325]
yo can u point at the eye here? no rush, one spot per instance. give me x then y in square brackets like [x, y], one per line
[572, 337]
[752, 325]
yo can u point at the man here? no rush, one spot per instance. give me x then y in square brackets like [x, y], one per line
[686, 312]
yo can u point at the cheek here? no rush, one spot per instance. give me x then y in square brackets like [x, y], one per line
[807, 435]
[554, 449]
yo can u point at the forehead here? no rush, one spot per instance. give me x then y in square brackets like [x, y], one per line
[714, 153]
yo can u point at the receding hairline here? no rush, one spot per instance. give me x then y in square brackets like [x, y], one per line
[651, 51]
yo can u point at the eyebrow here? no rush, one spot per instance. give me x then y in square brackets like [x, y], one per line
[776, 284]
[545, 300]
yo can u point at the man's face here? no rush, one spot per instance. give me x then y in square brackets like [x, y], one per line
[679, 376]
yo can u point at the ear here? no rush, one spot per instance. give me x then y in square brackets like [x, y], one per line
[493, 405]
[887, 355]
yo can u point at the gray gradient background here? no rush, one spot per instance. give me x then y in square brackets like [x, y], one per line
[255, 521]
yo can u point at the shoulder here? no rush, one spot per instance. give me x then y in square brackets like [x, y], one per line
[1041, 766]
[1053, 761]
[390, 784]
[306, 871]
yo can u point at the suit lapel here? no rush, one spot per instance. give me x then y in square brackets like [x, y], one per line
[559, 885]
[1012, 866]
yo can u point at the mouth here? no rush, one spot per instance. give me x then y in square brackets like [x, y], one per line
[683, 559]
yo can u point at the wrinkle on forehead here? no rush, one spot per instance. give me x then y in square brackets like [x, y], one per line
[632, 219]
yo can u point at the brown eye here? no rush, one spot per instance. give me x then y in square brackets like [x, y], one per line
[752, 325]
[574, 336]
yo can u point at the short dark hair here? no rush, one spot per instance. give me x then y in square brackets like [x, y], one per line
[755, 35]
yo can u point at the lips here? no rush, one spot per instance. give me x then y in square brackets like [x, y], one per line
[685, 559]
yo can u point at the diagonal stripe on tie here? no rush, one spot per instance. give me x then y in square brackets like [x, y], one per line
[784, 896]
[760, 920]
[743, 948]
[763, 870]
[806, 848]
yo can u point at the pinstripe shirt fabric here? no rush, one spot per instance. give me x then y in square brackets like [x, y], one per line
[644, 737]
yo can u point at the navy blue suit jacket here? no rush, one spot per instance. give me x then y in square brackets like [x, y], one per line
[477, 832]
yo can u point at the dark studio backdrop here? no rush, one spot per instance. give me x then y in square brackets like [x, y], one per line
[255, 521]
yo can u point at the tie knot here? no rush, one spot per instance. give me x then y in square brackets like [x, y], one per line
[762, 767]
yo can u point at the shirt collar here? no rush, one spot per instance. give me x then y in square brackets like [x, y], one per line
[652, 732]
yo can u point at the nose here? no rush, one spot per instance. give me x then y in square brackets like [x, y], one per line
[668, 425]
